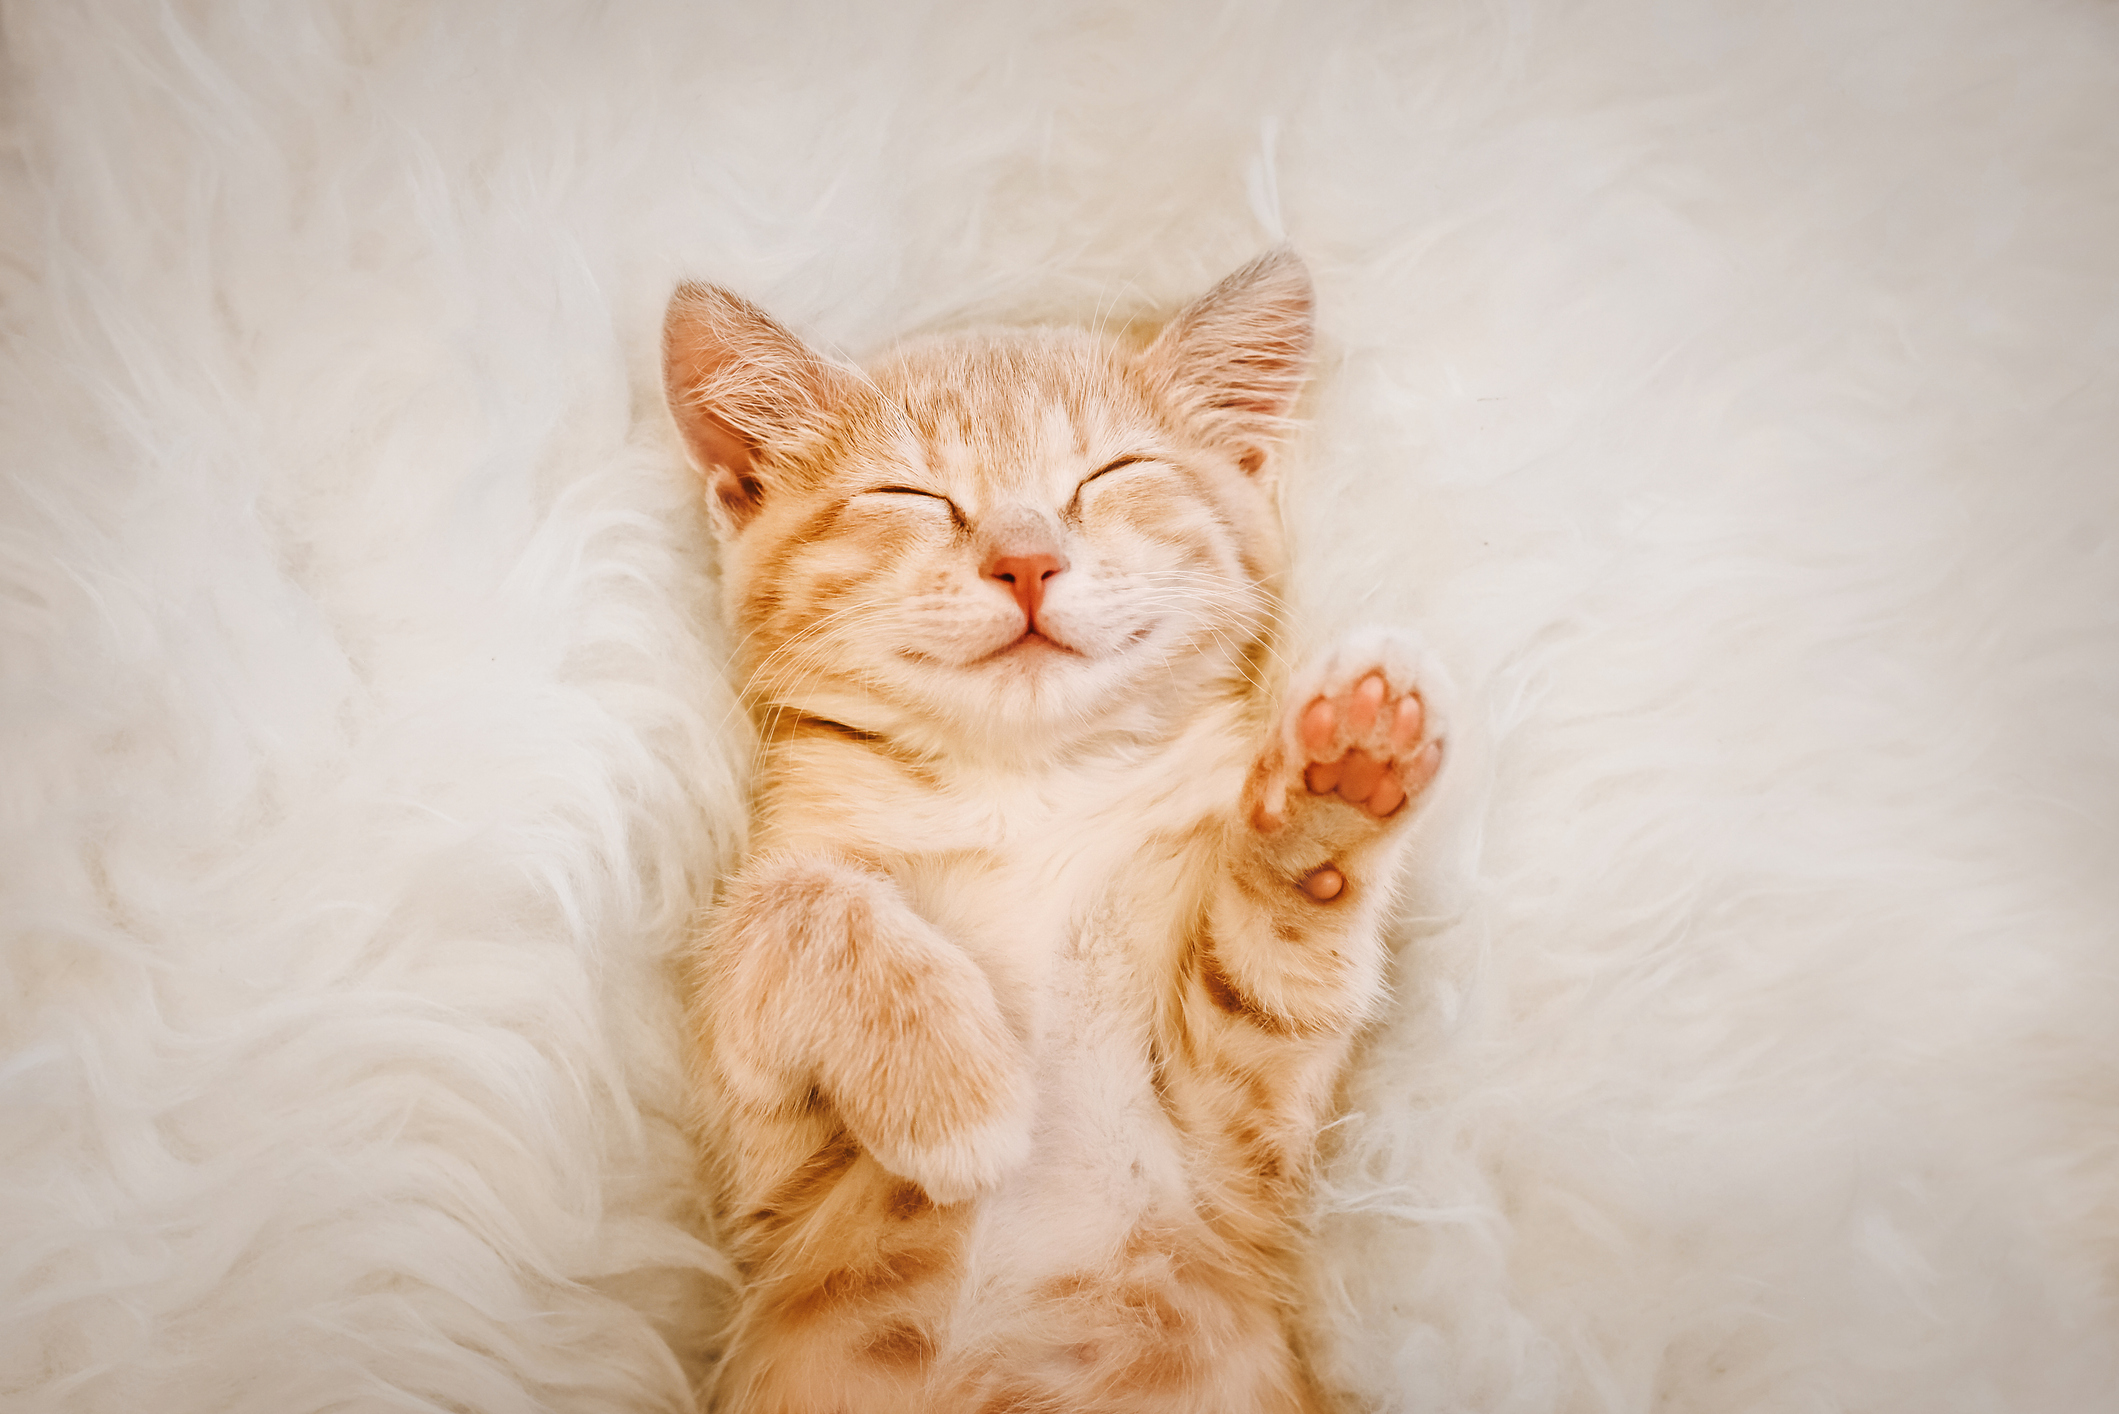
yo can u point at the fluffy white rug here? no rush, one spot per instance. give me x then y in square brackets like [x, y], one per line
[1730, 389]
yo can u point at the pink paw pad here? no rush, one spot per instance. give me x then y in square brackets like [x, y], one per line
[1377, 766]
[1323, 884]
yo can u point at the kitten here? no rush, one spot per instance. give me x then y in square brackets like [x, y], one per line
[1015, 1030]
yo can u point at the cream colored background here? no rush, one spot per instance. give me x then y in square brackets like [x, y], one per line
[1731, 390]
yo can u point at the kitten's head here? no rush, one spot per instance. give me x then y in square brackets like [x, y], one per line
[1001, 540]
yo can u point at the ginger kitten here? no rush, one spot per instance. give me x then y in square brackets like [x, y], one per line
[1016, 1028]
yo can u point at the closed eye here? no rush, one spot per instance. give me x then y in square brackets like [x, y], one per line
[1119, 464]
[1108, 467]
[955, 515]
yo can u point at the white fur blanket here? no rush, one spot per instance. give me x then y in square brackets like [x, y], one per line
[1730, 390]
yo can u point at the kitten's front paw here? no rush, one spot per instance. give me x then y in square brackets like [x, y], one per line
[966, 1163]
[1363, 726]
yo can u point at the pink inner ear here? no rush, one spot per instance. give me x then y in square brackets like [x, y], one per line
[1238, 354]
[744, 391]
[714, 443]
[700, 352]
[725, 458]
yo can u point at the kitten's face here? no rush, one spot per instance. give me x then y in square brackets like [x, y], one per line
[1001, 541]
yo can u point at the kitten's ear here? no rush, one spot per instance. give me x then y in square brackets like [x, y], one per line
[1235, 358]
[741, 389]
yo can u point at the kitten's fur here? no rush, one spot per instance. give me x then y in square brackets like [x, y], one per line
[1018, 1024]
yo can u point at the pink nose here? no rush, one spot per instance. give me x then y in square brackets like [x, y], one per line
[1026, 575]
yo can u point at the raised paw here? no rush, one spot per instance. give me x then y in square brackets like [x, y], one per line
[1359, 728]
[1365, 746]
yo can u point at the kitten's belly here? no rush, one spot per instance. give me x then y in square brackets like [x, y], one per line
[1104, 1154]
[1074, 916]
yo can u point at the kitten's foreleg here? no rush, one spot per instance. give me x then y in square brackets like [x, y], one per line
[1294, 917]
[826, 985]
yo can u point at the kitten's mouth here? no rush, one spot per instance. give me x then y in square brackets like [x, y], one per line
[1031, 644]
